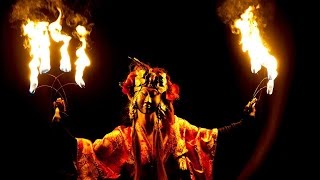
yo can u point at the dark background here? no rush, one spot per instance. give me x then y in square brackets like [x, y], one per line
[201, 55]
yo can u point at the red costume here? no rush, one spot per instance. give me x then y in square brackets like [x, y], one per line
[171, 148]
[186, 142]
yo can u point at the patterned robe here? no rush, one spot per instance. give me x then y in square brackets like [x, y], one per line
[195, 146]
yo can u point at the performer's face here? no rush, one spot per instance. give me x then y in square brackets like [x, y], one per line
[148, 100]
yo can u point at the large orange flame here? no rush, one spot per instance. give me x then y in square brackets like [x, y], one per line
[253, 44]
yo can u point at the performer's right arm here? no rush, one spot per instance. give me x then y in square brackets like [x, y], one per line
[64, 144]
[60, 132]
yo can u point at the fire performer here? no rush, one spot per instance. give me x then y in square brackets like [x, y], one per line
[158, 144]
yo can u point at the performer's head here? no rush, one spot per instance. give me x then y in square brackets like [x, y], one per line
[150, 92]
[149, 89]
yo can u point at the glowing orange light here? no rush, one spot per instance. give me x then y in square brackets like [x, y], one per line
[38, 36]
[253, 44]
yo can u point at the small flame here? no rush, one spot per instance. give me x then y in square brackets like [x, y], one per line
[83, 59]
[55, 32]
[39, 43]
[253, 44]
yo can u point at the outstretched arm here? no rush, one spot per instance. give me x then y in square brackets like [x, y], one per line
[65, 143]
[249, 114]
[62, 133]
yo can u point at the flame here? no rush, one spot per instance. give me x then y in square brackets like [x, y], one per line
[83, 59]
[253, 44]
[55, 32]
[39, 43]
[38, 36]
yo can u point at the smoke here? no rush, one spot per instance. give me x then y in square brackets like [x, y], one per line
[230, 10]
[75, 12]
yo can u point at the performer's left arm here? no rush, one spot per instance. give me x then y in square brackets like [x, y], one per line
[248, 118]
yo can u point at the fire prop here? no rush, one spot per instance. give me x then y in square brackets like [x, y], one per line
[252, 43]
[38, 34]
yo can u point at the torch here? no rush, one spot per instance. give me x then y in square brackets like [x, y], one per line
[39, 35]
[253, 44]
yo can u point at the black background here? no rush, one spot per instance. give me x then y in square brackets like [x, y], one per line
[201, 55]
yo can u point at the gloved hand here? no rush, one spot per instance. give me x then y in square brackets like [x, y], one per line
[250, 109]
[59, 106]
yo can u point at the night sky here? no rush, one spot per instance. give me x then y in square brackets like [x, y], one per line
[201, 54]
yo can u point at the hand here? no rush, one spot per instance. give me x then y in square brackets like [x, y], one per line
[250, 109]
[59, 103]
[59, 106]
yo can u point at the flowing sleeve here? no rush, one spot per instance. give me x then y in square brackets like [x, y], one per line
[199, 148]
[103, 158]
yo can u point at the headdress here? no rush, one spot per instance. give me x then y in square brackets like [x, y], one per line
[142, 75]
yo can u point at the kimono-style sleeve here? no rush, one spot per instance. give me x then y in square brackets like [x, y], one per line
[105, 157]
[200, 148]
